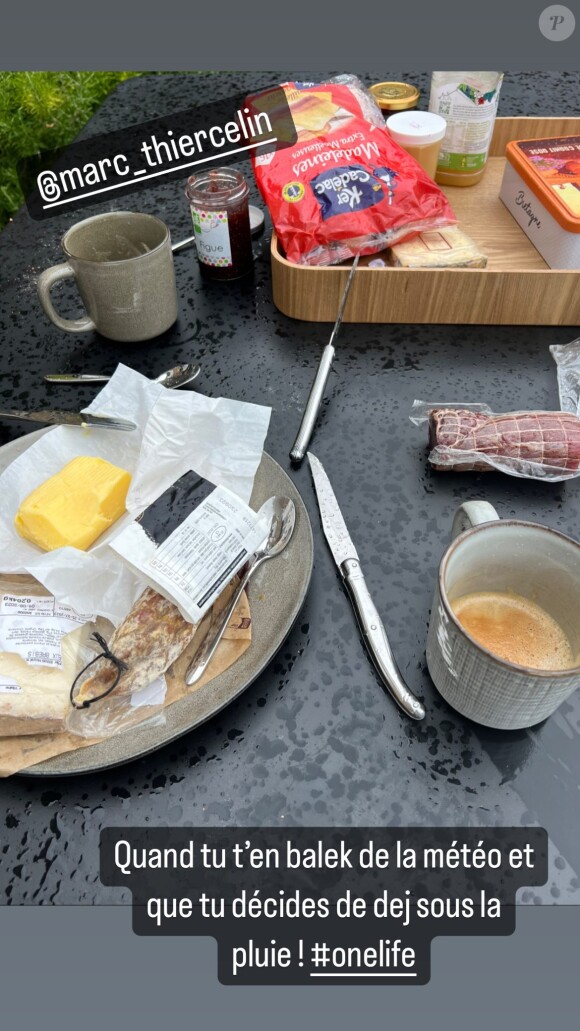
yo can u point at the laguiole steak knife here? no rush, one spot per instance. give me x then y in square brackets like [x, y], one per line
[346, 557]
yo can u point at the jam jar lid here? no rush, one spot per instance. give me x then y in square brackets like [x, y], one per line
[217, 187]
[395, 96]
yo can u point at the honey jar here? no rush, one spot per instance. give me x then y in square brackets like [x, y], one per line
[420, 134]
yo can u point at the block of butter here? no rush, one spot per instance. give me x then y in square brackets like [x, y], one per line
[449, 247]
[75, 506]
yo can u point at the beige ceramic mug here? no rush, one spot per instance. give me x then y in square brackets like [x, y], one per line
[491, 554]
[123, 266]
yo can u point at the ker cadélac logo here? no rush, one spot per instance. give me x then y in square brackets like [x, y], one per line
[352, 188]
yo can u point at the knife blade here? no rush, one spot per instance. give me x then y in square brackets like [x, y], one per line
[60, 417]
[371, 626]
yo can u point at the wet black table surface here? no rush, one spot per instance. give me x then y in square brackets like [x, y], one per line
[314, 740]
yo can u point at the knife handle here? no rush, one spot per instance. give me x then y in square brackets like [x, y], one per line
[376, 640]
[313, 404]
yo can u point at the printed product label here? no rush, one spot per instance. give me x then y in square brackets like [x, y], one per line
[9, 686]
[460, 162]
[32, 627]
[198, 559]
[556, 162]
[196, 562]
[293, 192]
[352, 188]
[470, 115]
[212, 237]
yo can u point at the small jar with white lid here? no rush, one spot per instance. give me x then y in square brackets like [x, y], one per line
[419, 133]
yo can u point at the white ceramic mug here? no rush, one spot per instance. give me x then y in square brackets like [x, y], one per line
[491, 554]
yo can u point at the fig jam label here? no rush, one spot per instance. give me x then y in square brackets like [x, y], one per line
[212, 237]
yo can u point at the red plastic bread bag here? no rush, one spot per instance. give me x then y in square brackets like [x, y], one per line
[345, 187]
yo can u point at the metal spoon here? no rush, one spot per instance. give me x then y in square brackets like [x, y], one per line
[281, 516]
[172, 378]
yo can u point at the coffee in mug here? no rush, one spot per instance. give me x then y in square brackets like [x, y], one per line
[504, 637]
[515, 629]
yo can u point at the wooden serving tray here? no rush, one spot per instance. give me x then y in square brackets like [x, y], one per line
[516, 288]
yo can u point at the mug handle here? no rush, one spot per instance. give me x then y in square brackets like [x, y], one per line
[46, 281]
[470, 514]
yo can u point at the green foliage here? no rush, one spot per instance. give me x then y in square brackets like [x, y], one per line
[40, 111]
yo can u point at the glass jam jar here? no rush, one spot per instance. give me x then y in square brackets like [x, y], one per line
[218, 199]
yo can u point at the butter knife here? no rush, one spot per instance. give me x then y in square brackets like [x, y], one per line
[317, 389]
[346, 557]
[60, 417]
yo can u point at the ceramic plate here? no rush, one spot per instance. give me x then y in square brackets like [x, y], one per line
[276, 595]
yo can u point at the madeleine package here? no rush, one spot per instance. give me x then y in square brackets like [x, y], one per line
[345, 187]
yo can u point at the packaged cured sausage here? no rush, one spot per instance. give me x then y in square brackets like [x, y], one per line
[535, 445]
[345, 187]
[538, 445]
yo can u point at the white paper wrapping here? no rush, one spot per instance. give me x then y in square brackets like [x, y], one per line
[219, 439]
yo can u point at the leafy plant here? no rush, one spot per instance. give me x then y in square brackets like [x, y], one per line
[41, 111]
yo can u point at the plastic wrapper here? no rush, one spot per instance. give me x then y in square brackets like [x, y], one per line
[127, 677]
[42, 647]
[345, 187]
[536, 445]
[567, 358]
